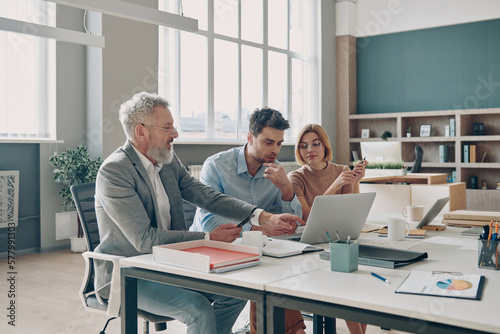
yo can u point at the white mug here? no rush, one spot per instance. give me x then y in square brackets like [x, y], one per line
[396, 229]
[254, 239]
[413, 212]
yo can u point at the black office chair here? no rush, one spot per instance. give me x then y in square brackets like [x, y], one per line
[419, 154]
[83, 196]
[189, 212]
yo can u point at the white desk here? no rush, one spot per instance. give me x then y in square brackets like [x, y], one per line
[305, 282]
[247, 283]
[358, 296]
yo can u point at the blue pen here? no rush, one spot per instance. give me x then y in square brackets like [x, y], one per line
[494, 236]
[381, 278]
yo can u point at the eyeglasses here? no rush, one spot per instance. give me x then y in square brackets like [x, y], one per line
[174, 130]
[314, 145]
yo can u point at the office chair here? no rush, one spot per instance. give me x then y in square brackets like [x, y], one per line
[189, 212]
[83, 196]
[419, 153]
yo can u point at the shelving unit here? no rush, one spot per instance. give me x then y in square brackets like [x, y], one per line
[397, 123]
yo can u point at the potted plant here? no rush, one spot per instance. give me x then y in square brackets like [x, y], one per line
[388, 168]
[386, 134]
[408, 132]
[74, 167]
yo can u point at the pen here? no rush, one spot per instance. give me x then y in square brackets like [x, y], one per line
[337, 233]
[328, 236]
[348, 239]
[486, 230]
[381, 278]
[244, 221]
[495, 235]
[496, 245]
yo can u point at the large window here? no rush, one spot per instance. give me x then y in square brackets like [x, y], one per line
[26, 69]
[247, 54]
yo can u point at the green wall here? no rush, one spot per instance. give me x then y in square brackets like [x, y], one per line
[453, 67]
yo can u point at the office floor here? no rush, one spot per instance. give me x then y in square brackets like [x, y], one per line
[47, 301]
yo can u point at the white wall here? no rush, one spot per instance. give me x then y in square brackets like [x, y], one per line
[70, 108]
[130, 65]
[376, 17]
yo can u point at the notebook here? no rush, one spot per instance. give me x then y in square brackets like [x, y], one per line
[344, 215]
[383, 257]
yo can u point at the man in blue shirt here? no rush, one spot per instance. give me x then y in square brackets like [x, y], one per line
[251, 173]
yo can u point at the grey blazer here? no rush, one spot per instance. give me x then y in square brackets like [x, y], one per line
[126, 208]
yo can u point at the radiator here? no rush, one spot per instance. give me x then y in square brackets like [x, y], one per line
[9, 198]
[289, 166]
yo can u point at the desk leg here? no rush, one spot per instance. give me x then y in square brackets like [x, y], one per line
[276, 320]
[326, 323]
[261, 310]
[129, 305]
[317, 324]
[330, 325]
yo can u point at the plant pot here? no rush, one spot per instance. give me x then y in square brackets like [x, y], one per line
[383, 172]
[78, 245]
[408, 135]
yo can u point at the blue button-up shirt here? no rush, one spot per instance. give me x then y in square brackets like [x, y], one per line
[227, 173]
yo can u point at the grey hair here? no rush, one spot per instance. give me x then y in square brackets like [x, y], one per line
[136, 110]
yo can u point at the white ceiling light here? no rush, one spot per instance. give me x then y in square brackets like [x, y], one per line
[59, 34]
[133, 12]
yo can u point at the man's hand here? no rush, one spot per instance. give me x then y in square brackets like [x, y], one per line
[226, 233]
[284, 223]
[277, 175]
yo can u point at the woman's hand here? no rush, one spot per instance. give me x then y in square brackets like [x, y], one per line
[359, 169]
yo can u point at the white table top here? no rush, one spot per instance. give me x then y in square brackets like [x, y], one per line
[360, 289]
[271, 269]
[308, 276]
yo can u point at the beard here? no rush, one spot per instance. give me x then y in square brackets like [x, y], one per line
[265, 159]
[161, 154]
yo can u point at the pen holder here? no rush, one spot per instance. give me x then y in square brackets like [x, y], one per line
[488, 254]
[344, 256]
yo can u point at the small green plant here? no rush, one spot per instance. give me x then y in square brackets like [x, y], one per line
[408, 130]
[385, 165]
[73, 167]
[386, 134]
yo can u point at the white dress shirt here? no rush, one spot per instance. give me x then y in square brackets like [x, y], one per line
[163, 216]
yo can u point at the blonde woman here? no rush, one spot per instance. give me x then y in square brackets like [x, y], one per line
[318, 176]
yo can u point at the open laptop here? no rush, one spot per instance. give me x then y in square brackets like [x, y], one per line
[344, 215]
[433, 212]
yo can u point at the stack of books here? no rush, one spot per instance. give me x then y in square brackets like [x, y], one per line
[470, 218]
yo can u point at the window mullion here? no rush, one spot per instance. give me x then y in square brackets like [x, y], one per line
[239, 118]
[210, 52]
[289, 76]
[265, 50]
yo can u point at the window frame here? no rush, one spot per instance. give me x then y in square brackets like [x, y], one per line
[169, 39]
[44, 76]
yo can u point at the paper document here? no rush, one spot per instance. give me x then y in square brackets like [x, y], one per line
[443, 285]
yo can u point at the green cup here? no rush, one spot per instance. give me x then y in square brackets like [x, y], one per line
[344, 256]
